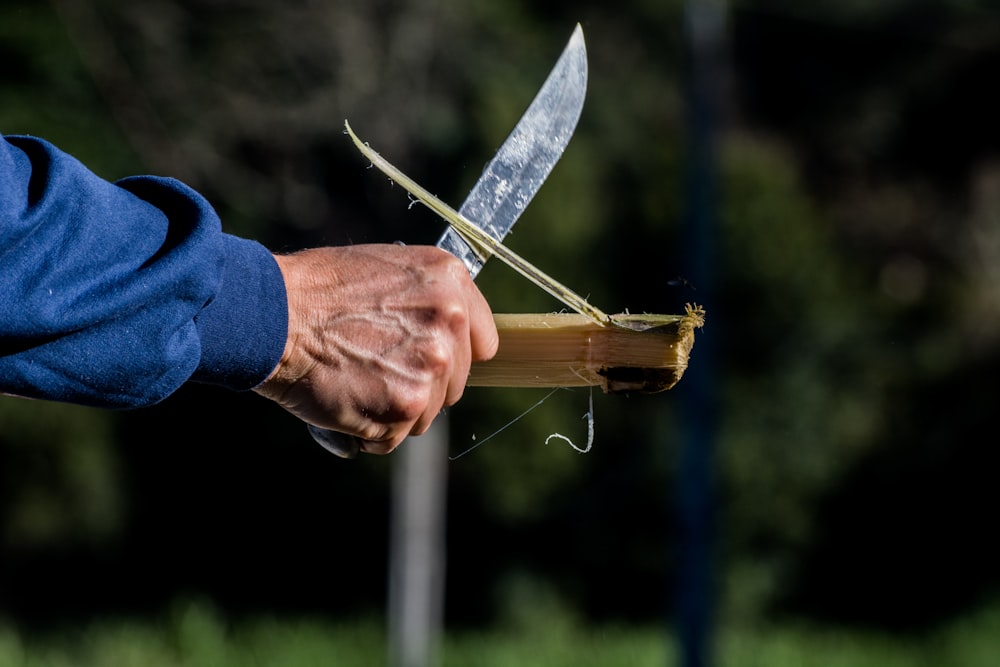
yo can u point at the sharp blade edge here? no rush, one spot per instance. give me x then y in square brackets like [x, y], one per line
[527, 156]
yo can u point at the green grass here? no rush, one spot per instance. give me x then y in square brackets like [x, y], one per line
[195, 635]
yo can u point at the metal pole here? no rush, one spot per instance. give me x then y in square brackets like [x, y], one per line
[704, 32]
[417, 548]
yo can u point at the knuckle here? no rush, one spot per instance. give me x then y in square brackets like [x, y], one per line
[375, 432]
[381, 438]
[437, 358]
[456, 317]
[457, 272]
[411, 404]
[451, 262]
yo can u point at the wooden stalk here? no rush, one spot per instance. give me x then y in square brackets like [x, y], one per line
[571, 350]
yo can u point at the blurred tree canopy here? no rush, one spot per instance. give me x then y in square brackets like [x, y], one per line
[857, 303]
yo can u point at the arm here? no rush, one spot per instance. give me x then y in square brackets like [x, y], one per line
[116, 294]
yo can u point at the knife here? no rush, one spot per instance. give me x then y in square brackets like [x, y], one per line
[510, 180]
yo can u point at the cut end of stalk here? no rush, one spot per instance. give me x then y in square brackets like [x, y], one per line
[638, 354]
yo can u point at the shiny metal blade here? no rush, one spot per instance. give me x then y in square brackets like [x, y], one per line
[525, 159]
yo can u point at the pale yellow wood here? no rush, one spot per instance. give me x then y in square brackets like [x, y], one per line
[570, 350]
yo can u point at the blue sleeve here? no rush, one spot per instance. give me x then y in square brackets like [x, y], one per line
[116, 294]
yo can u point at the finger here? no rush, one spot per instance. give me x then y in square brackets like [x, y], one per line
[454, 386]
[381, 447]
[441, 393]
[460, 361]
[483, 335]
[388, 437]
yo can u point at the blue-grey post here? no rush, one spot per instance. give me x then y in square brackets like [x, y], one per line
[694, 504]
[417, 550]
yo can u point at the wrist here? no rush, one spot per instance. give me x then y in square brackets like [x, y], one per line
[290, 368]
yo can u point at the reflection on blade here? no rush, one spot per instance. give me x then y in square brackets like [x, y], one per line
[525, 159]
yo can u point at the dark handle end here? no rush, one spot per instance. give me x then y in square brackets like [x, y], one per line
[343, 445]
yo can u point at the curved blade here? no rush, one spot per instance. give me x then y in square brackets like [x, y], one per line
[525, 159]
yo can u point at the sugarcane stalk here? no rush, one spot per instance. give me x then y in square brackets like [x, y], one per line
[570, 350]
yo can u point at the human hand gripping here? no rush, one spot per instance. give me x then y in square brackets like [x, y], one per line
[380, 339]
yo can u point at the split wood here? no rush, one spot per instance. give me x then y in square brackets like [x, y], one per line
[571, 350]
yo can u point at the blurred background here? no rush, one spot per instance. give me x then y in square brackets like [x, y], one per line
[847, 254]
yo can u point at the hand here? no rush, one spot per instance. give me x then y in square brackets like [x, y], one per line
[380, 339]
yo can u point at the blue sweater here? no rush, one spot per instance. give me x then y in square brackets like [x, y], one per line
[116, 294]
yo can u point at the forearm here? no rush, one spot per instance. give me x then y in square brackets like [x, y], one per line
[117, 294]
